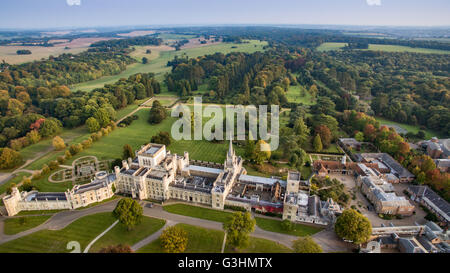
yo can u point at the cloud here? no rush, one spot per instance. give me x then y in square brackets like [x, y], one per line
[373, 2]
[73, 2]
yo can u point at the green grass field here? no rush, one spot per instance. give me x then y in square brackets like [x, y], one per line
[120, 235]
[198, 212]
[387, 48]
[83, 230]
[159, 64]
[200, 240]
[298, 94]
[140, 132]
[410, 128]
[16, 180]
[275, 226]
[259, 245]
[19, 224]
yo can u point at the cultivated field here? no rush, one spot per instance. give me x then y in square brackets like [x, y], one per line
[8, 53]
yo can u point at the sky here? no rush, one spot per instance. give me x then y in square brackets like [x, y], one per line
[96, 13]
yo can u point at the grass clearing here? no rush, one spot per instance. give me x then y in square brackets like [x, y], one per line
[83, 230]
[200, 240]
[159, 66]
[299, 94]
[120, 235]
[259, 245]
[275, 226]
[410, 128]
[198, 212]
[18, 224]
[15, 180]
[388, 48]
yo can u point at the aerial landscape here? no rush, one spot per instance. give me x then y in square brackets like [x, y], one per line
[123, 132]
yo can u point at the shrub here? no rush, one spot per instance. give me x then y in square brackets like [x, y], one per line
[53, 165]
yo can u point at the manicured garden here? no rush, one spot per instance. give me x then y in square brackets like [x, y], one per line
[276, 226]
[120, 235]
[200, 240]
[19, 224]
[83, 231]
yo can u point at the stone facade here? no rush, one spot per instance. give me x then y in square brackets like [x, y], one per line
[99, 189]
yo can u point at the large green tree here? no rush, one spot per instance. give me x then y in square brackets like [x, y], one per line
[238, 229]
[128, 212]
[174, 239]
[353, 226]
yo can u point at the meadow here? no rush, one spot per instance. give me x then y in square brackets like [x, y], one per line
[410, 128]
[387, 48]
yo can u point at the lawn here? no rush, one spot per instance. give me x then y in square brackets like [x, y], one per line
[19, 224]
[275, 226]
[159, 65]
[200, 240]
[83, 231]
[299, 94]
[198, 212]
[16, 180]
[120, 235]
[39, 212]
[410, 128]
[140, 132]
[259, 245]
[387, 48]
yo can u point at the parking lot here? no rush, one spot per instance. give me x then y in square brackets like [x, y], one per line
[367, 209]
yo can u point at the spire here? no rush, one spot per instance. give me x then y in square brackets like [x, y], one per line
[230, 148]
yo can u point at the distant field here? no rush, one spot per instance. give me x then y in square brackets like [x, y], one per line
[158, 65]
[8, 53]
[388, 48]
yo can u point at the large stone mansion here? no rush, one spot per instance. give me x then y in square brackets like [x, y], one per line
[157, 174]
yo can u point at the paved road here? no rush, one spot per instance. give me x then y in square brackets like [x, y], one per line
[59, 220]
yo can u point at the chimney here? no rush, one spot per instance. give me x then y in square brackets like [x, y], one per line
[130, 161]
[117, 170]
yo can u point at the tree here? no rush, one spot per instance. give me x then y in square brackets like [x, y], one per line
[92, 124]
[9, 158]
[50, 127]
[174, 239]
[238, 228]
[161, 138]
[157, 113]
[128, 212]
[317, 144]
[58, 143]
[306, 245]
[116, 249]
[301, 131]
[359, 136]
[144, 60]
[127, 152]
[325, 135]
[353, 226]
[262, 155]
[75, 148]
